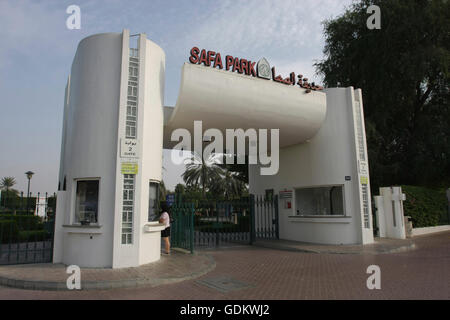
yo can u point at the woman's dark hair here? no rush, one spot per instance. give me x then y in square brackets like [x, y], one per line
[164, 207]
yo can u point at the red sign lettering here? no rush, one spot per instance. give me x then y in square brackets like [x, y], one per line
[247, 67]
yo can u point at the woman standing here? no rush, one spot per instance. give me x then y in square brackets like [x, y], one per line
[165, 234]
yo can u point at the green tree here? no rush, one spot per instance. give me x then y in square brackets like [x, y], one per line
[6, 184]
[230, 186]
[193, 193]
[202, 173]
[180, 188]
[403, 71]
[240, 170]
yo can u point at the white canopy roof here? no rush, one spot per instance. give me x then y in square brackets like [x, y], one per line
[227, 100]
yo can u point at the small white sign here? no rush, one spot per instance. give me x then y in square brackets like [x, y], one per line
[363, 167]
[129, 148]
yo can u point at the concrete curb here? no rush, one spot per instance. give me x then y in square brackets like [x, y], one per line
[404, 248]
[418, 232]
[107, 284]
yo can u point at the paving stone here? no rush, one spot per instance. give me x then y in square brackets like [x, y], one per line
[177, 267]
[224, 283]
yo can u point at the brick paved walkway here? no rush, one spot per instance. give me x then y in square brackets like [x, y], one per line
[260, 273]
[174, 268]
[380, 246]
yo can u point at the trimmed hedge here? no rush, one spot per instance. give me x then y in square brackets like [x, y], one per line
[14, 201]
[32, 235]
[17, 212]
[8, 231]
[24, 222]
[244, 220]
[426, 206]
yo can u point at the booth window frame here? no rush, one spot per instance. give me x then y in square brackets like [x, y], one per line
[344, 212]
[156, 183]
[73, 216]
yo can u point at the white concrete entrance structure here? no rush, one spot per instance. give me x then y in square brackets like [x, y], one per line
[116, 126]
[326, 177]
[390, 215]
[108, 156]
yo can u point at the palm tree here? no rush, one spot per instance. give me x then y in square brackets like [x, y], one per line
[202, 173]
[231, 185]
[6, 184]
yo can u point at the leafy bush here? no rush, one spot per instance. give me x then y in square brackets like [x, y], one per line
[14, 201]
[32, 235]
[30, 212]
[24, 222]
[426, 206]
[17, 212]
[244, 220]
[8, 231]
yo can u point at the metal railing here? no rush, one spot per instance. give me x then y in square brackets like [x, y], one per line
[208, 223]
[182, 226]
[26, 228]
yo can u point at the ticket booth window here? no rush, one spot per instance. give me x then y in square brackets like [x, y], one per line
[153, 205]
[86, 203]
[320, 201]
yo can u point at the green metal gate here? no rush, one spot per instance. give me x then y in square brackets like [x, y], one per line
[266, 220]
[212, 224]
[26, 237]
[182, 226]
[205, 224]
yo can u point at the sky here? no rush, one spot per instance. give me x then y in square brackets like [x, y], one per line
[37, 49]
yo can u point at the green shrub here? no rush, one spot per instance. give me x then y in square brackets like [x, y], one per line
[32, 235]
[8, 231]
[30, 212]
[426, 206]
[17, 212]
[244, 220]
[14, 201]
[24, 222]
[48, 226]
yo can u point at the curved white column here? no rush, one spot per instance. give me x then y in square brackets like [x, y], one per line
[94, 134]
[90, 142]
